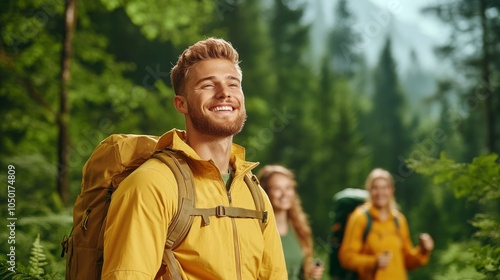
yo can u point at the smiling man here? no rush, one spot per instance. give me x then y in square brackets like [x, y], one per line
[207, 84]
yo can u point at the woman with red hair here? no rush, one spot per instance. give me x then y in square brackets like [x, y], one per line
[293, 225]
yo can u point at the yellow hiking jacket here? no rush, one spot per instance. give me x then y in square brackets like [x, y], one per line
[228, 248]
[383, 236]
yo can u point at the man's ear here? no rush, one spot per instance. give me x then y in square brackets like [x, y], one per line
[180, 104]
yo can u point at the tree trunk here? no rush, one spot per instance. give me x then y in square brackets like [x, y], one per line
[64, 109]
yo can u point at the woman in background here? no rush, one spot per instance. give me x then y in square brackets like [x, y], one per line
[387, 252]
[293, 226]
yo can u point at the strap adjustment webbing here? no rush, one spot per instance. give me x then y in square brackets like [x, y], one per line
[228, 211]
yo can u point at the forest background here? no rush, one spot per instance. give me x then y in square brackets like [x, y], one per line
[73, 72]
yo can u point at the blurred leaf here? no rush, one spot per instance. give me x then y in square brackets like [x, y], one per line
[476, 181]
[178, 21]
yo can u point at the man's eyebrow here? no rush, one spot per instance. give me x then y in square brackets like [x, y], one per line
[234, 78]
[204, 79]
[231, 77]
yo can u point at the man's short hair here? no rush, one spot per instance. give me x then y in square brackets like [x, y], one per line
[207, 49]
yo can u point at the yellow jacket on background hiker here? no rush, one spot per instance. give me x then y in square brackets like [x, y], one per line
[383, 236]
[227, 248]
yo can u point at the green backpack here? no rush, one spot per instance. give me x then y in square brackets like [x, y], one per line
[344, 202]
[113, 160]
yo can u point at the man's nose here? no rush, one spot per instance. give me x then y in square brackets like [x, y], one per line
[223, 91]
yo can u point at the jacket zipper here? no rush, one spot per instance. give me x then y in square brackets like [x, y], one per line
[235, 233]
[236, 250]
[235, 239]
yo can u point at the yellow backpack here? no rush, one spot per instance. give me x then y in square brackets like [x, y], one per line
[112, 161]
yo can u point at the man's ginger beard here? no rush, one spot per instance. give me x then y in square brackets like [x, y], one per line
[208, 126]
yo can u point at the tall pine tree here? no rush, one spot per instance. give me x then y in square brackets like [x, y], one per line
[294, 80]
[388, 136]
[388, 128]
[343, 40]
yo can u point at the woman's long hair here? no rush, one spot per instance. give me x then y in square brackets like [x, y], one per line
[296, 215]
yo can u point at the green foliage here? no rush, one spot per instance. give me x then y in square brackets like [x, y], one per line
[456, 262]
[51, 228]
[16, 270]
[37, 259]
[32, 171]
[181, 22]
[29, 54]
[20, 272]
[476, 181]
[487, 261]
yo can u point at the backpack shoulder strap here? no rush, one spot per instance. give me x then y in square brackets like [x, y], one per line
[181, 222]
[253, 184]
[396, 222]
[368, 224]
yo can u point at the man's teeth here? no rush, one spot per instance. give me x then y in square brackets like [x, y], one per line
[223, 108]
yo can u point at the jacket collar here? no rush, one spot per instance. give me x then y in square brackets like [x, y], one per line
[375, 213]
[175, 139]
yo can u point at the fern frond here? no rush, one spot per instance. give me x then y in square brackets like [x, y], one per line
[38, 259]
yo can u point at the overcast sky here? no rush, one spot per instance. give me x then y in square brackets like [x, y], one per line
[409, 11]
